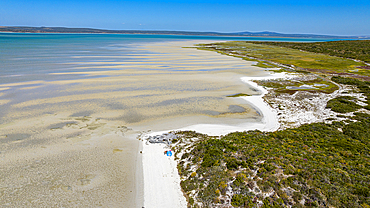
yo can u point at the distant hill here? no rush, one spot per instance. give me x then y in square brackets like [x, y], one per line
[18, 29]
[274, 34]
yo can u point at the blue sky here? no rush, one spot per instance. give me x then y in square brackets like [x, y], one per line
[338, 17]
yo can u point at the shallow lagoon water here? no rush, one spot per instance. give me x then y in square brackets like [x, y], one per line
[73, 105]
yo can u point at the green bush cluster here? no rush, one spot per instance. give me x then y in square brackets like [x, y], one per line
[343, 104]
[240, 200]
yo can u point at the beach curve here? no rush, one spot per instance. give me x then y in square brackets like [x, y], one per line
[161, 178]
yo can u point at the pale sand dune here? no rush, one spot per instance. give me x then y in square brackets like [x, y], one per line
[68, 142]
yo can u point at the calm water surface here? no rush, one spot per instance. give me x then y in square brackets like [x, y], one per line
[72, 105]
[25, 57]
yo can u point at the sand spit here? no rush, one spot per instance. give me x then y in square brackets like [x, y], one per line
[269, 120]
[269, 114]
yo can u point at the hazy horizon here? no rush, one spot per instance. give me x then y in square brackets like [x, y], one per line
[340, 18]
[195, 31]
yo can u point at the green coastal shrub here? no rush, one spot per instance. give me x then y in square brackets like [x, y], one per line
[334, 164]
[328, 165]
[346, 80]
[232, 164]
[354, 49]
[343, 104]
[359, 131]
[240, 200]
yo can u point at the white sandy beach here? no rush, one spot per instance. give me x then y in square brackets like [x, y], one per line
[161, 179]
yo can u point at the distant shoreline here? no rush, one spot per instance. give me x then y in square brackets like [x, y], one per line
[149, 34]
[64, 30]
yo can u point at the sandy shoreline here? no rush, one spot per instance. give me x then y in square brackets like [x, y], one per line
[161, 179]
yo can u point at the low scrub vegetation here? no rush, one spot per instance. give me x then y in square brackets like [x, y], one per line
[283, 56]
[354, 49]
[343, 104]
[314, 165]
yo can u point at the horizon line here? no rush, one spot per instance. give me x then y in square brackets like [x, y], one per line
[240, 33]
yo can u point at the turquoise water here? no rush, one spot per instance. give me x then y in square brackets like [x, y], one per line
[27, 57]
[31, 63]
[87, 118]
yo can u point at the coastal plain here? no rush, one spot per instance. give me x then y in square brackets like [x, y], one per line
[72, 140]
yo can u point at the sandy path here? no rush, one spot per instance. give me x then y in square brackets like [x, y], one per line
[161, 179]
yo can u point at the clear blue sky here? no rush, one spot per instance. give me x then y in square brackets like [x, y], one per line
[337, 17]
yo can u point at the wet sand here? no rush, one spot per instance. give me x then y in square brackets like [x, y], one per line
[72, 142]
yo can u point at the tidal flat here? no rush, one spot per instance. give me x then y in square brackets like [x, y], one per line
[69, 137]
